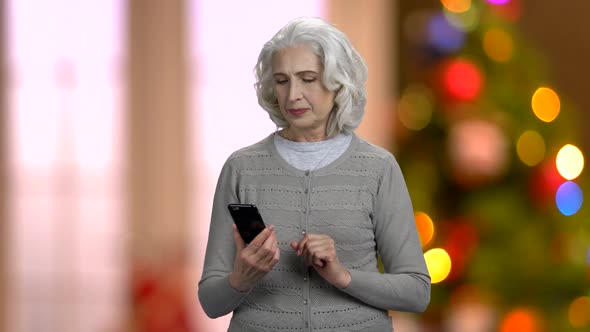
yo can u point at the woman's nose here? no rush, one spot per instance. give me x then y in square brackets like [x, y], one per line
[294, 91]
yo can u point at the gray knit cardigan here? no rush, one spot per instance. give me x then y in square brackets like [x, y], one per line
[360, 200]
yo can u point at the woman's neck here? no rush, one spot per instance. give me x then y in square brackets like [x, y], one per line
[296, 136]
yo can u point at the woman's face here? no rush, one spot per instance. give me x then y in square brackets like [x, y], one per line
[303, 99]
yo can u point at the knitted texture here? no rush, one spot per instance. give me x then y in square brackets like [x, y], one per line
[360, 200]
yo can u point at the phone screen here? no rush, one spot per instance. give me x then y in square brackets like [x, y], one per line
[247, 219]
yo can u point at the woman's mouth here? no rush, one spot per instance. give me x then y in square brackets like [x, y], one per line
[297, 111]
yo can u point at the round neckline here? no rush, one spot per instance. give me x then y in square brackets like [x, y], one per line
[275, 153]
[308, 146]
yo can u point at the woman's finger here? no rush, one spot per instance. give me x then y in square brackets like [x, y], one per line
[302, 245]
[260, 239]
[238, 239]
[273, 248]
[318, 261]
[265, 253]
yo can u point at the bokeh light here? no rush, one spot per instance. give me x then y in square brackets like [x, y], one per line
[438, 263]
[425, 227]
[569, 162]
[469, 310]
[443, 35]
[462, 80]
[544, 182]
[508, 10]
[461, 242]
[465, 21]
[530, 148]
[569, 198]
[498, 2]
[498, 45]
[519, 320]
[457, 6]
[415, 107]
[579, 312]
[545, 103]
[478, 151]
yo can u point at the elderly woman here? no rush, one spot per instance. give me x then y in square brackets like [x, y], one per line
[334, 204]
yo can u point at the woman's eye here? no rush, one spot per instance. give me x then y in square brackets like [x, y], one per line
[308, 80]
[281, 82]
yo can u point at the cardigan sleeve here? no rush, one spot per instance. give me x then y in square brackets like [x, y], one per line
[405, 285]
[216, 295]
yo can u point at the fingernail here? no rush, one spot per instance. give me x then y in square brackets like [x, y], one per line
[271, 227]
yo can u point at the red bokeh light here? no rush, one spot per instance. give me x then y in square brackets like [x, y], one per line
[510, 11]
[462, 241]
[462, 80]
[543, 184]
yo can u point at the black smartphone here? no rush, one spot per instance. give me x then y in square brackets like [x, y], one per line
[247, 219]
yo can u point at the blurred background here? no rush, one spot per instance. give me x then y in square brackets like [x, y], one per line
[116, 117]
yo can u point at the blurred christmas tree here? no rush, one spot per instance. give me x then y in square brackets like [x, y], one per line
[490, 153]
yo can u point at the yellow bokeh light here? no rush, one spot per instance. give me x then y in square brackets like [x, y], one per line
[530, 148]
[569, 162]
[425, 227]
[579, 312]
[457, 6]
[498, 45]
[465, 21]
[545, 103]
[415, 108]
[438, 263]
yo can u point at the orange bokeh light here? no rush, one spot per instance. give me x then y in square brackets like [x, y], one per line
[579, 312]
[519, 320]
[425, 227]
[545, 104]
[456, 6]
[498, 45]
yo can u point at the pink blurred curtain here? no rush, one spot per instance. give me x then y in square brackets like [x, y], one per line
[63, 235]
[3, 185]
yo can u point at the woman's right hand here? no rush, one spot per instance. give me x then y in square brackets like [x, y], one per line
[255, 260]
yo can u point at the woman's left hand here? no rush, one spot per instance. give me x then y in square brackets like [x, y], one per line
[319, 251]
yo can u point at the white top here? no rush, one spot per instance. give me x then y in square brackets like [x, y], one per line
[312, 155]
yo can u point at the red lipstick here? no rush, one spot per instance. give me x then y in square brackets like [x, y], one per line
[297, 111]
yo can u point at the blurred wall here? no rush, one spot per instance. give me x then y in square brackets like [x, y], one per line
[157, 133]
[371, 27]
[559, 29]
[3, 193]
[157, 117]
[62, 238]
